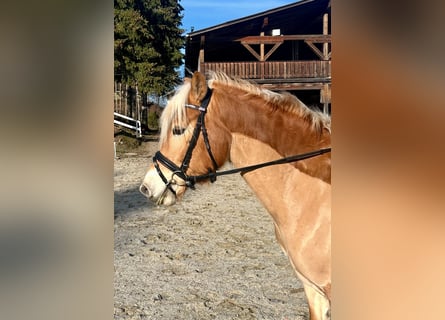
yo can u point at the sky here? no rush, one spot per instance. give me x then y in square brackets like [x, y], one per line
[201, 14]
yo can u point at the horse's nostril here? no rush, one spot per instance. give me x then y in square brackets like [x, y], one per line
[144, 190]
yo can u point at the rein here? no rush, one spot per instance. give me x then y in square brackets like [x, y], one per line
[190, 181]
[253, 167]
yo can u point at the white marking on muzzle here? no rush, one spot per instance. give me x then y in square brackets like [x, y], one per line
[155, 189]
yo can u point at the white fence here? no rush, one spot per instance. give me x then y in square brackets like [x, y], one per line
[134, 124]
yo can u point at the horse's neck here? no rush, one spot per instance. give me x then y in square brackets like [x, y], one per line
[272, 183]
[286, 132]
[298, 203]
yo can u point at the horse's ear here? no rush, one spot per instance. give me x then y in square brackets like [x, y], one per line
[199, 87]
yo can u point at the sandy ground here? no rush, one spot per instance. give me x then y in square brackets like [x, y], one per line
[211, 256]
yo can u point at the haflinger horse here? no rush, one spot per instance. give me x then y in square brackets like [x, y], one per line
[300, 206]
[207, 122]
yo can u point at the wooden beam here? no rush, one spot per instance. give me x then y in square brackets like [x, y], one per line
[315, 49]
[292, 86]
[258, 40]
[315, 38]
[261, 56]
[272, 50]
[255, 54]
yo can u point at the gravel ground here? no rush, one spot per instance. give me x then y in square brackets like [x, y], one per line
[211, 256]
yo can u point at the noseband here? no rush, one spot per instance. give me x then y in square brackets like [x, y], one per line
[181, 171]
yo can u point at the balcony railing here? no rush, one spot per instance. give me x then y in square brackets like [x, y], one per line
[273, 70]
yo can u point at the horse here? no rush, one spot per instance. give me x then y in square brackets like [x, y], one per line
[300, 207]
[199, 127]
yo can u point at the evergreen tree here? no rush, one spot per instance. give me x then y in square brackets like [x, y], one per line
[147, 43]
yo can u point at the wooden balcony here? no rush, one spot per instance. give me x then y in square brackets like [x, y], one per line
[317, 71]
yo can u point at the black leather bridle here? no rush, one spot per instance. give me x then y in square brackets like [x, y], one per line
[190, 181]
[181, 171]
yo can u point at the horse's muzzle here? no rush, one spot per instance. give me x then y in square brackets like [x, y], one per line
[145, 191]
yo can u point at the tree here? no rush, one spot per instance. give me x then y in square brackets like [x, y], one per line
[147, 44]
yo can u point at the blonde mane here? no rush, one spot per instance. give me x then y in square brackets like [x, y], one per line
[281, 101]
[175, 113]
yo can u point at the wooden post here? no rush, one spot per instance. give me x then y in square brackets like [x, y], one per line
[126, 100]
[138, 105]
[115, 95]
[325, 97]
[201, 54]
[325, 32]
[264, 27]
[120, 97]
[262, 48]
[325, 93]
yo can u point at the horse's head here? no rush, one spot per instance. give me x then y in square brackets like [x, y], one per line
[192, 143]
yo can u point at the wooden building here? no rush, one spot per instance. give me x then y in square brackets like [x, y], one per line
[286, 48]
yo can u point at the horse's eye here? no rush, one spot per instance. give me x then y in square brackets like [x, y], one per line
[178, 131]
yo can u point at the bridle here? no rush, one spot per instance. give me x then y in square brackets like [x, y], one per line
[181, 171]
[190, 181]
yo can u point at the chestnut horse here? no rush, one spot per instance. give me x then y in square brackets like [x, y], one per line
[198, 127]
[300, 206]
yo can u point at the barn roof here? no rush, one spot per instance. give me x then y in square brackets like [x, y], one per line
[301, 17]
[278, 13]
